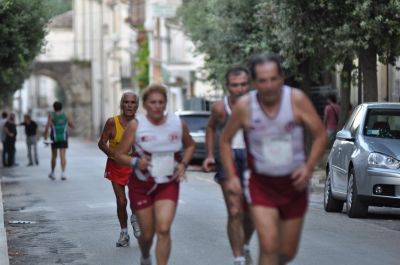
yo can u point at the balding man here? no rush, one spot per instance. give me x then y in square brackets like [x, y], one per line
[116, 173]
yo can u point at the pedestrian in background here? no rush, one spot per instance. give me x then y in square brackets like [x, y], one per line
[331, 118]
[31, 138]
[58, 123]
[10, 130]
[3, 121]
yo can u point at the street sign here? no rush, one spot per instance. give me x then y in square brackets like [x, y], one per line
[165, 10]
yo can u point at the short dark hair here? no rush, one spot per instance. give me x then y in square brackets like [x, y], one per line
[4, 114]
[331, 97]
[260, 59]
[235, 70]
[57, 106]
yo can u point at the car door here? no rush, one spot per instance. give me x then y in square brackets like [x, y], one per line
[346, 151]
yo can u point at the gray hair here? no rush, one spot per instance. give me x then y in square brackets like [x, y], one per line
[126, 93]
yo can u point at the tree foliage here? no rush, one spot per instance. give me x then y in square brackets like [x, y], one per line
[142, 64]
[22, 31]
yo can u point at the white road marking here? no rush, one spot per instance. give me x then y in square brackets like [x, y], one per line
[101, 205]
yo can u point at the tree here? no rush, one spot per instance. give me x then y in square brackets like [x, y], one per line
[22, 31]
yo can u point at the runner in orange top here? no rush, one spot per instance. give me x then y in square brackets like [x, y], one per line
[116, 173]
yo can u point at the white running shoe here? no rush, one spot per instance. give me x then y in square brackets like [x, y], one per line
[146, 261]
[247, 257]
[239, 261]
[135, 225]
[51, 176]
[123, 240]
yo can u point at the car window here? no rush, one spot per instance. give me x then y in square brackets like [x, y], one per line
[351, 119]
[196, 123]
[383, 123]
[356, 122]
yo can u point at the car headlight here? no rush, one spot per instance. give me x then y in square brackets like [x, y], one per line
[383, 161]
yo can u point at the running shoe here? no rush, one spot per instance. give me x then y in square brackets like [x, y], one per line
[146, 261]
[239, 261]
[51, 176]
[247, 256]
[123, 240]
[135, 226]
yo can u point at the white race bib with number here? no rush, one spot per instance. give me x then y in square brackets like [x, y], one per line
[278, 150]
[162, 165]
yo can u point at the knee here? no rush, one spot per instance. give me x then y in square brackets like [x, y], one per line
[269, 243]
[235, 213]
[288, 253]
[122, 202]
[163, 230]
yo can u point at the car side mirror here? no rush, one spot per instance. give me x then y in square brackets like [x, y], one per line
[345, 135]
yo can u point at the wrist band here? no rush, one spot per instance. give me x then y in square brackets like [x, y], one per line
[134, 162]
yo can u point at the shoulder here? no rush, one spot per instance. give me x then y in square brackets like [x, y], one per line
[298, 97]
[110, 121]
[218, 107]
[243, 102]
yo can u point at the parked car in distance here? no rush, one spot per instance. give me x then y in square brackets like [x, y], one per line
[197, 123]
[363, 167]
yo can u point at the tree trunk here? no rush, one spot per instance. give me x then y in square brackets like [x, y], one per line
[305, 83]
[345, 89]
[369, 73]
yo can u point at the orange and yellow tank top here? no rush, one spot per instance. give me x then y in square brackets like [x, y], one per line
[119, 130]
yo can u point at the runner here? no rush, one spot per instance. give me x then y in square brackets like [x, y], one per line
[273, 117]
[59, 123]
[159, 165]
[239, 226]
[116, 173]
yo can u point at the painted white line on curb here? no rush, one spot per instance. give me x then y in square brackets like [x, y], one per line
[4, 260]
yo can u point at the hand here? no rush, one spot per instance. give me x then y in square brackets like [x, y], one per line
[143, 163]
[180, 173]
[301, 177]
[208, 164]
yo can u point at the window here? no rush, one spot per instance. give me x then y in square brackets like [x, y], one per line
[383, 123]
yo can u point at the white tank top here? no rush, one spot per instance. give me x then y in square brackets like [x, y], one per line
[275, 145]
[238, 139]
[163, 143]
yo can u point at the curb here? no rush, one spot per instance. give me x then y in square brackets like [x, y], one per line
[4, 260]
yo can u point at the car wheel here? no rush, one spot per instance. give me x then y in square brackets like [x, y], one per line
[355, 207]
[331, 204]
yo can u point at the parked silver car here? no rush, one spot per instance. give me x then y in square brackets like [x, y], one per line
[363, 167]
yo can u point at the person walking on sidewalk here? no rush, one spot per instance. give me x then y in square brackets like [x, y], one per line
[3, 121]
[240, 227]
[273, 118]
[163, 149]
[31, 138]
[58, 123]
[116, 173]
[10, 130]
[331, 118]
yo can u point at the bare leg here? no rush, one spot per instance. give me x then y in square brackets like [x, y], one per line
[53, 159]
[119, 191]
[63, 159]
[248, 227]
[235, 220]
[164, 213]
[290, 238]
[266, 222]
[146, 222]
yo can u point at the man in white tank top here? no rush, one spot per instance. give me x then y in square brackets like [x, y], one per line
[273, 119]
[163, 148]
[240, 227]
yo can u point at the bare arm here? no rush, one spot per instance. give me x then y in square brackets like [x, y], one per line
[210, 136]
[105, 137]
[236, 121]
[46, 129]
[127, 141]
[188, 143]
[70, 122]
[307, 115]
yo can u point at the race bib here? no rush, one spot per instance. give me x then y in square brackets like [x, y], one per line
[162, 165]
[278, 150]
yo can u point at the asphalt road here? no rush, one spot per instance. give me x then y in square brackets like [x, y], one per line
[74, 222]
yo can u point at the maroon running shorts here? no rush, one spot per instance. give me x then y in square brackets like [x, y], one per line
[143, 194]
[279, 193]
